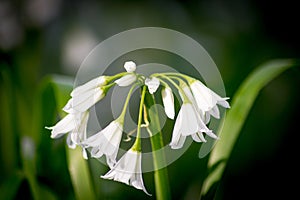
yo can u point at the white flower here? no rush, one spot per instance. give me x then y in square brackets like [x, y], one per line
[62, 127]
[152, 84]
[75, 124]
[128, 170]
[106, 142]
[168, 101]
[86, 95]
[189, 122]
[90, 85]
[130, 66]
[126, 80]
[207, 100]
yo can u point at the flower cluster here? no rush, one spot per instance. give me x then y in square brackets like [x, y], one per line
[199, 103]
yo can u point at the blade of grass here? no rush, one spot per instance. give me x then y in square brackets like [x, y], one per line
[236, 116]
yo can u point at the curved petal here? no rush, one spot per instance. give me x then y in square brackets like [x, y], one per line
[92, 84]
[168, 101]
[189, 117]
[126, 80]
[198, 137]
[203, 96]
[63, 126]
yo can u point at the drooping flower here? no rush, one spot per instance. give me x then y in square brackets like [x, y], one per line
[90, 85]
[128, 170]
[130, 66]
[126, 80]
[206, 99]
[75, 124]
[106, 142]
[153, 84]
[86, 95]
[188, 121]
[168, 101]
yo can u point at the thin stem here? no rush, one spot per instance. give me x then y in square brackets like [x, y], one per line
[185, 99]
[137, 144]
[114, 77]
[176, 74]
[122, 115]
[162, 187]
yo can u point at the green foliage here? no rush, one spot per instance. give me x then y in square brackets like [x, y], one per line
[241, 104]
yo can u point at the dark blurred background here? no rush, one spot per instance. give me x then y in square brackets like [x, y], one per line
[41, 37]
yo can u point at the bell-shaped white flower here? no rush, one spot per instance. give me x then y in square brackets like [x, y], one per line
[168, 101]
[90, 85]
[152, 84]
[130, 66]
[106, 142]
[86, 95]
[188, 122]
[75, 124]
[207, 100]
[128, 170]
[62, 127]
[126, 80]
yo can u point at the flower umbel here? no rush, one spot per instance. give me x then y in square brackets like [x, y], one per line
[197, 104]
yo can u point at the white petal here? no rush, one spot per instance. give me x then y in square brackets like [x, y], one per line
[130, 66]
[190, 119]
[168, 101]
[84, 154]
[215, 112]
[126, 80]
[198, 137]
[87, 100]
[63, 126]
[68, 107]
[212, 135]
[92, 84]
[70, 144]
[177, 138]
[152, 84]
[106, 142]
[203, 96]
[128, 170]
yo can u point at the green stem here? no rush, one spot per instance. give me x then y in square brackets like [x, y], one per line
[137, 144]
[122, 115]
[160, 174]
[175, 74]
[185, 98]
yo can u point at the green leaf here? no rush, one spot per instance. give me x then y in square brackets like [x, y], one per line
[237, 114]
[78, 167]
[10, 186]
[80, 174]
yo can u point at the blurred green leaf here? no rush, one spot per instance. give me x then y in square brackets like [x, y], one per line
[78, 167]
[236, 116]
[10, 187]
[80, 175]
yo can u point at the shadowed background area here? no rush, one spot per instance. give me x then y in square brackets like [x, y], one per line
[41, 37]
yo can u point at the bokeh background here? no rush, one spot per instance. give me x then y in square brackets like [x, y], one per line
[42, 37]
